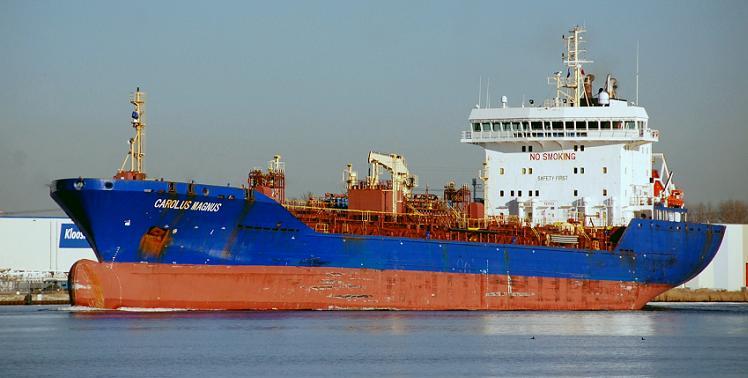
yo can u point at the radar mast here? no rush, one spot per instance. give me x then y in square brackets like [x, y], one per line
[569, 89]
[136, 150]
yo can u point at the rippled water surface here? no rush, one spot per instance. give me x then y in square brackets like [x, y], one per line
[663, 340]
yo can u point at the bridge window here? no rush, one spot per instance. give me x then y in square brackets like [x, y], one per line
[569, 125]
[605, 125]
[476, 127]
[537, 125]
[496, 126]
[525, 126]
[630, 125]
[486, 126]
[593, 125]
[581, 125]
[558, 125]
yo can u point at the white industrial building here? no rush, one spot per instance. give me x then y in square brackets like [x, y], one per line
[41, 244]
[729, 269]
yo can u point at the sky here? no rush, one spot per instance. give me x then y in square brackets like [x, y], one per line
[230, 84]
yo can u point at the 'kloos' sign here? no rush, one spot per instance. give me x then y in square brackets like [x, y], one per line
[72, 237]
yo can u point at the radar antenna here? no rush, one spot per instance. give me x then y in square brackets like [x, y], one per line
[637, 73]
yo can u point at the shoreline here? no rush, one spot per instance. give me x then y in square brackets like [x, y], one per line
[701, 295]
[44, 298]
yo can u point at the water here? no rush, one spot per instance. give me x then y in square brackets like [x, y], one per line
[679, 340]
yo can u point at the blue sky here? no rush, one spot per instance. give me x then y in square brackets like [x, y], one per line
[230, 84]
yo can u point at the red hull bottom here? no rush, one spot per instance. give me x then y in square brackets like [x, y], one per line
[117, 285]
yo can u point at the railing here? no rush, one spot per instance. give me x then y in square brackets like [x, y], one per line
[618, 134]
[28, 285]
[641, 201]
[670, 213]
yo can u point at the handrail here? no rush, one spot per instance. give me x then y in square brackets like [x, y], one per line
[554, 134]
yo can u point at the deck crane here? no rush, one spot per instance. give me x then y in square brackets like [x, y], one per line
[402, 180]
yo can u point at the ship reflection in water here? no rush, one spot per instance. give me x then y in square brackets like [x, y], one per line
[569, 324]
[664, 339]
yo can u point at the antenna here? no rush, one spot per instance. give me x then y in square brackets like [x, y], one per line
[488, 98]
[480, 89]
[637, 73]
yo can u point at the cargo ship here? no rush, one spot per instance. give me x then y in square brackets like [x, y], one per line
[576, 213]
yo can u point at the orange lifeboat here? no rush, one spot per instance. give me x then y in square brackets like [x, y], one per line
[675, 199]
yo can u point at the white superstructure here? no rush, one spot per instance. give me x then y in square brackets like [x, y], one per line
[569, 159]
